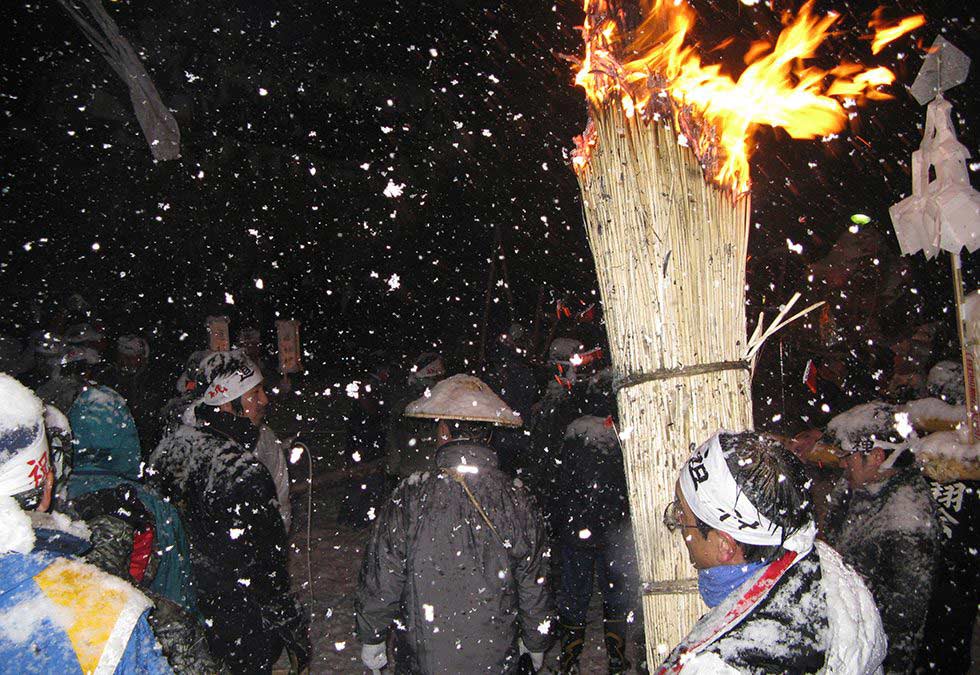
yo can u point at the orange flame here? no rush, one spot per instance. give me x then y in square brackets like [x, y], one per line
[657, 72]
[889, 31]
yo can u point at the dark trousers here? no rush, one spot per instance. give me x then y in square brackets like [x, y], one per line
[580, 565]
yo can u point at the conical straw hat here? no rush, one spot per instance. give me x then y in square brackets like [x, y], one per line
[463, 397]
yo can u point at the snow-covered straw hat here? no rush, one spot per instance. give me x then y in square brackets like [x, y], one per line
[133, 345]
[23, 444]
[463, 397]
[229, 375]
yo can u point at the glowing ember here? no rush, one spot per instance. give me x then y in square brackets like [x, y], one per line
[656, 71]
[886, 32]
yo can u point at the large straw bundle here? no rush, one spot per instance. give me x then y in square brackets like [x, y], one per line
[670, 252]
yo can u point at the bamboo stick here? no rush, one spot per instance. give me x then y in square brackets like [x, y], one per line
[670, 251]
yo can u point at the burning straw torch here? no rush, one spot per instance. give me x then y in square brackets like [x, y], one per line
[664, 177]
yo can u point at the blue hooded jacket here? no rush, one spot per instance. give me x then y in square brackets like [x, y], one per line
[107, 454]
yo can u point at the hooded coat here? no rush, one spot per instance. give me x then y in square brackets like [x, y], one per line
[459, 592]
[107, 457]
[795, 615]
[237, 538]
[889, 533]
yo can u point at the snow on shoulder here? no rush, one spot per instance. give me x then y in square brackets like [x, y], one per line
[16, 532]
[856, 642]
[21, 407]
[593, 431]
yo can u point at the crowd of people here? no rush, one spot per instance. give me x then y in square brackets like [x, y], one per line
[150, 535]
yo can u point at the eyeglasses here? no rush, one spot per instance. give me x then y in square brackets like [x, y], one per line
[673, 518]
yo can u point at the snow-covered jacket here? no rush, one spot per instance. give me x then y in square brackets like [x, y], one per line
[795, 615]
[889, 533]
[459, 592]
[592, 495]
[237, 539]
[61, 615]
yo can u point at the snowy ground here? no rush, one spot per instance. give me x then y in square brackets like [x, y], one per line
[336, 557]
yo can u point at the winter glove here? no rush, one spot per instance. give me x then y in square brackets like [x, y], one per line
[375, 657]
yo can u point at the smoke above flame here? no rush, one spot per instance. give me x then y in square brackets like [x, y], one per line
[656, 70]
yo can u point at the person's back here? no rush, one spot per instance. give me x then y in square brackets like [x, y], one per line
[889, 534]
[237, 538]
[108, 458]
[236, 533]
[463, 574]
[457, 560]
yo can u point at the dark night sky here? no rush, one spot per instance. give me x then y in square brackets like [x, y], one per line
[468, 107]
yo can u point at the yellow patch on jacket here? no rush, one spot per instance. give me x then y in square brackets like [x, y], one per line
[93, 604]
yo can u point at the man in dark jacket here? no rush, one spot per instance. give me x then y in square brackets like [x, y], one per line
[883, 522]
[237, 538]
[595, 536]
[457, 560]
[779, 603]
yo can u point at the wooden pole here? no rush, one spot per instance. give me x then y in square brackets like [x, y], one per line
[969, 376]
[670, 251]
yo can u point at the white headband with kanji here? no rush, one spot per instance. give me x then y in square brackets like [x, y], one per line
[712, 493]
[26, 466]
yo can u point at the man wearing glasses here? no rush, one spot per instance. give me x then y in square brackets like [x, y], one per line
[777, 601]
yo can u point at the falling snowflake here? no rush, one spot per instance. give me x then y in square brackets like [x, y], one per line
[394, 190]
[394, 282]
[236, 532]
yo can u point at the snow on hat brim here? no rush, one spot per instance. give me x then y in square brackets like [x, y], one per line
[463, 397]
